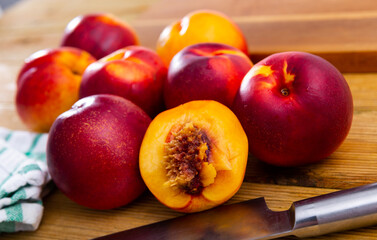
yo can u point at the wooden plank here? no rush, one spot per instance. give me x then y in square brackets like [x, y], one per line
[64, 219]
[44, 26]
[45, 12]
[270, 26]
[339, 31]
[174, 9]
[78, 222]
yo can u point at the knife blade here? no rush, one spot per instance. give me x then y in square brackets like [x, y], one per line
[252, 219]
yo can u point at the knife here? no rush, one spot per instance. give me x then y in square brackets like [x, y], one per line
[333, 212]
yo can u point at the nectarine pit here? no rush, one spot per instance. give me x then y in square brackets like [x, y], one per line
[187, 148]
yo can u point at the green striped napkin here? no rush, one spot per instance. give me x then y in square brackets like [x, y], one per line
[23, 175]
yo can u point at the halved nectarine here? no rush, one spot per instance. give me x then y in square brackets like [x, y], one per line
[193, 157]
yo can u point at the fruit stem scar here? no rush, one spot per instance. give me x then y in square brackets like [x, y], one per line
[186, 152]
[284, 91]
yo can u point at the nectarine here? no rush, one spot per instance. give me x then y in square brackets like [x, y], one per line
[136, 73]
[99, 34]
[93, 150]
[199, 27]
[205, 71]
[48, 84]
[193, 157]
[296, 108]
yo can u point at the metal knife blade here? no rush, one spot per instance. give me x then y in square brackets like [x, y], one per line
[347, 209]
[232, 221]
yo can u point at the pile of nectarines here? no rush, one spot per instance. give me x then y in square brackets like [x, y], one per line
[102, 97]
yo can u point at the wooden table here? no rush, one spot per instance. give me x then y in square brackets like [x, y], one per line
[344, 32]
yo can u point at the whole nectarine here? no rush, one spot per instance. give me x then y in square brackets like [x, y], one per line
[136, 73]
[48, 84]
[205, 71]
[198, 27]
[295, 107]
[99, 34]
[93, 150]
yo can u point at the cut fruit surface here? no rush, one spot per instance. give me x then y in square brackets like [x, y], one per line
[193, 157]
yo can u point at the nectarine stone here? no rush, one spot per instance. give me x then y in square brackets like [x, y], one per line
[186, 151]
[193, 157]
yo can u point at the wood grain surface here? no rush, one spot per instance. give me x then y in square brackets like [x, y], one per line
[342, 31]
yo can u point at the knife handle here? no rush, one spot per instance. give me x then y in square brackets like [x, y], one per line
[337, 211]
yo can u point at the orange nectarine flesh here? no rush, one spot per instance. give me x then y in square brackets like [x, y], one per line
[193, 157]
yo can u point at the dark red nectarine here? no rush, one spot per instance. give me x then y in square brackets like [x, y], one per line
[296, 108]
[93, 150]
[205, 71]
[99, 34]
[136, 73]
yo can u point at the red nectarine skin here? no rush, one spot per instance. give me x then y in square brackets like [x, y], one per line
[93, 150]
[206, 71]
[48, 84]
[64, 56]
[99, 34]
[295, 107]
[136, 73]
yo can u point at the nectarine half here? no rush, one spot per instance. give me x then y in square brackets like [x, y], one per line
[193, 157]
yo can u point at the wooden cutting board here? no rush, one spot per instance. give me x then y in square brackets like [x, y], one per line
[342, 31]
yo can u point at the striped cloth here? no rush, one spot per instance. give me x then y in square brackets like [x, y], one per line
[23, 175]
